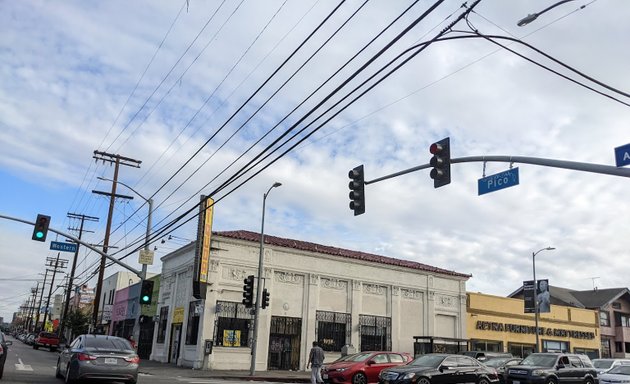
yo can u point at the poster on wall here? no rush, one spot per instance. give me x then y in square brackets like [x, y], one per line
[231, 338]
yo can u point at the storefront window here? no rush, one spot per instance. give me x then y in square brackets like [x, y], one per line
[232, 325]
[162, 325]
[618, 346]
[486, 345]
[591, 353]
[192, 329]
[520, 350]
[606, 348]
[604, 319]
[622, 319]
[376, 333]
[555, 346]
[333, 330]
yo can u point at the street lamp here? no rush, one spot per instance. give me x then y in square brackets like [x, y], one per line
[536, 314]
[252, 367]
[533, 16]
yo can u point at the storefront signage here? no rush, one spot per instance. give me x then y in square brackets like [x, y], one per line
[516, 328]
[202, 251]
[178, 315]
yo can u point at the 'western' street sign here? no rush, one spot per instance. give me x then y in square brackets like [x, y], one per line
[622, 155]
[497, 181]
[63, 247]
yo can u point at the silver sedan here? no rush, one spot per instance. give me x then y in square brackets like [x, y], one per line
[98, 357]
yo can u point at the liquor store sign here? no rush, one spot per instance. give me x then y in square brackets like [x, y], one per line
[527, 329]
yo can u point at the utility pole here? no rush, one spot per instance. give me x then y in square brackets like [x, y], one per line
[74, 265]
[31, 308]
[41, 296]
[52, 282]
[117, 160]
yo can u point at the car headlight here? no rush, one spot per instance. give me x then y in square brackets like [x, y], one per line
[341, 369]
[538, 372]
[408, 375]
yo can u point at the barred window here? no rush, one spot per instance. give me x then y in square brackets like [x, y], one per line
[161, 335]
[192, 329]
[376, 333]
[233, 326]
[333, 330]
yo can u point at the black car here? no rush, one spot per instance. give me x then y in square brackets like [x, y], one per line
[501, 364]
[553, 368]
[440, 368]
[4, 349]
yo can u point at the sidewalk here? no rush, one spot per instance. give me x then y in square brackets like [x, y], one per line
[164, 369]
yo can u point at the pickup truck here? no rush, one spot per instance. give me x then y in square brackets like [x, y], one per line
[47, 340]
[553, 368]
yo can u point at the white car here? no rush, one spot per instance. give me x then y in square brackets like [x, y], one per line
[605, 365]
[617, 375]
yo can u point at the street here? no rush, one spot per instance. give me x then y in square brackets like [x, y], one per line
[29, 366]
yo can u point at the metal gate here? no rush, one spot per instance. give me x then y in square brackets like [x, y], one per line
[284, 343]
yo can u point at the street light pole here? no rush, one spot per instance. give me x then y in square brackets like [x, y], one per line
[252, 367]
[536, 314]
[533, 16]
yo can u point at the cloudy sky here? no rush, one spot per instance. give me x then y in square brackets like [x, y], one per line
[203, 93]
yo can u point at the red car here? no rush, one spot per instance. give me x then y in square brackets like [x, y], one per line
[362, 368]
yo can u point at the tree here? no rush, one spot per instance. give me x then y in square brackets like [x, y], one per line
[78, 322]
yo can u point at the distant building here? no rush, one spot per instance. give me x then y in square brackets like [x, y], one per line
[613, 307]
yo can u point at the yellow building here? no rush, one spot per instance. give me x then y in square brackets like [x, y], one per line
[499, 324]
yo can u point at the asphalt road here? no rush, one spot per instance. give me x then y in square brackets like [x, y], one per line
[26, 365]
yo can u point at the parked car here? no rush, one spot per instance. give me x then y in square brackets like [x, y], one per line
[616, 375]
[501, 364]
[604, 365]
[553, 368]
[486, 355]
[362, 368]
[98, 357]
[4, 349]
[440, 368]
[47, 340]
[30, 339]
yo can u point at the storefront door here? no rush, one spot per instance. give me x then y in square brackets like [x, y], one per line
[176, 336]
[284, 343]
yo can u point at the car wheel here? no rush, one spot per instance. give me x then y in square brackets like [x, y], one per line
[588, 381]
[423, 380]
[53, 349]
[483, 380]
[58, 371]
[68, 379]
[359, 378]
[132, 381]
[552, 380]
[35, 346]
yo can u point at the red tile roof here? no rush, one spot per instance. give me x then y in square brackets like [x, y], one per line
[312, 247]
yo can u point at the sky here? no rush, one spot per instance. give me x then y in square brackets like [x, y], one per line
[200, 91]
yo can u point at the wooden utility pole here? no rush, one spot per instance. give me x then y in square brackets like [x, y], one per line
[117, 160]
[74, 265]
[59, 264]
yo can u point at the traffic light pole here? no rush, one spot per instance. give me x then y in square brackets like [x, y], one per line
[573, 165]
[93, 248]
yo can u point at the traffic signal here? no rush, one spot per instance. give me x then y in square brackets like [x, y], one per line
[441, 162]
[265, 299]
[357, 190]
[41, 228]
[146, 292]
[248, 291]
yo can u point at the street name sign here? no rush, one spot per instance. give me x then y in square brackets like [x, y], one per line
[63, 247]
[497, 181]
[622, 155]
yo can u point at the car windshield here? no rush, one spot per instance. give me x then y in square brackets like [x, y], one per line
[358, 357]
[540, 360]
[600, 363]
[48, 335]
[496, 362]
[621, 370]
[428, 361]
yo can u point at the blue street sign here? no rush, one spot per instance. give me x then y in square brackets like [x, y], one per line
[63, 247]
[498, 181]
[622, 155]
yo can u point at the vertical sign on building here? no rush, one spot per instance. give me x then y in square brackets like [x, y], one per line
[202, 250]
[529, 296]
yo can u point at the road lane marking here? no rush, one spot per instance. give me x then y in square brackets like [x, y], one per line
[21, 367]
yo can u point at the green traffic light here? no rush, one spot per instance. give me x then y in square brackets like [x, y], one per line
[39, 234]
[145, 298]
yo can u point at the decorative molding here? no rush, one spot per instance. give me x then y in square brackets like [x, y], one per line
[314, 279]
[446, 301]
[411, 294]
[233, 273]
[395, 291]
[356, 285]
[374, 289]
[214, 265]
[333, 283]
[431, 295]
[288, 278]
[267, 255]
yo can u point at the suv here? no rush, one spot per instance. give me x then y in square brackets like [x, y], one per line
[46, 339]
[553, 368]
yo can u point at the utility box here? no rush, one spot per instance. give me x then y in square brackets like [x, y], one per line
[348, 350]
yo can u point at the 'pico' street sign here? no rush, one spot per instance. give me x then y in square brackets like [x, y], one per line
[497, 181]
[622, 155]
[63, 247]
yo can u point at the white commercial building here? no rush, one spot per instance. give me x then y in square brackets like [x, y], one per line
[336, 296]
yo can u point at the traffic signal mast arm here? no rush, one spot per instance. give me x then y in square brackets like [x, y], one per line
[115, 260]
[564, 164]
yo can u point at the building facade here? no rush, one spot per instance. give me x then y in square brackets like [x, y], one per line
[344, 299]
[499, 324]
